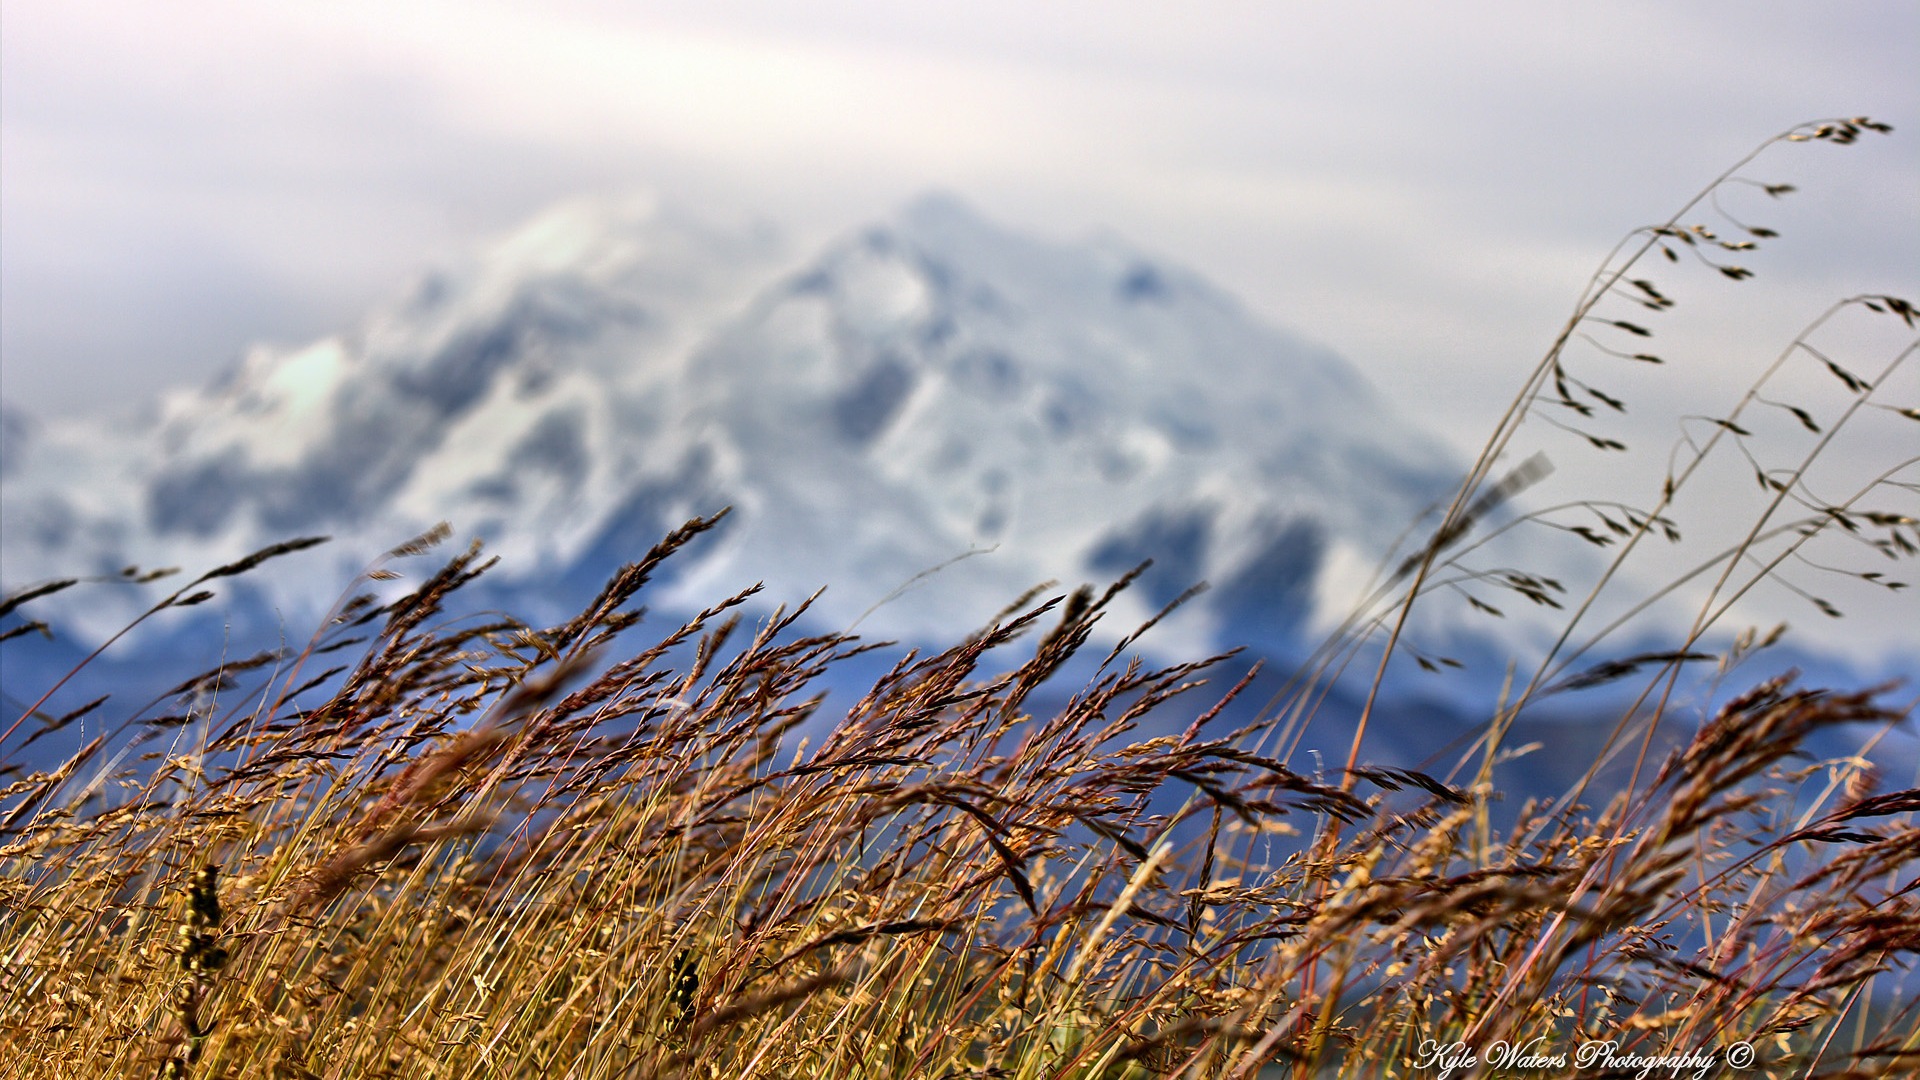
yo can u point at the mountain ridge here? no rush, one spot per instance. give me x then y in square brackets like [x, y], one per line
[931, 387]
[928, 416]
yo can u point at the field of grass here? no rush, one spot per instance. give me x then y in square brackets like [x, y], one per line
[429, 846]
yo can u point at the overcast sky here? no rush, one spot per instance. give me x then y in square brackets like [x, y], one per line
[1422, 186]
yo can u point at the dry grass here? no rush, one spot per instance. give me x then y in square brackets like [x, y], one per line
[488, 849]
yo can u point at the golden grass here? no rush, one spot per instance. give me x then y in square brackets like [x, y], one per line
[494, 850]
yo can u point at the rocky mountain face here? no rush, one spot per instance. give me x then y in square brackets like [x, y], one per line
[928, 417]
[932, 391]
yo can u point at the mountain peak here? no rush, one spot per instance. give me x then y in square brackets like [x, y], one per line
[940, 385]
[567, 236]
[934, 386]
[938, 206]
[941, 218]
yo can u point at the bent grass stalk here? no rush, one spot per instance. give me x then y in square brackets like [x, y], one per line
[487, 849]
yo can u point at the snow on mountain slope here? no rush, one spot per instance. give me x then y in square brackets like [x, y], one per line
[931, 387]
[518, 395]
[937, 385]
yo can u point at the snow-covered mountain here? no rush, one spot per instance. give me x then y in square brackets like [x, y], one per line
[930, 387]
[937, 385]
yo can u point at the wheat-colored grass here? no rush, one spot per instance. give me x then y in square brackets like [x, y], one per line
[485, 849]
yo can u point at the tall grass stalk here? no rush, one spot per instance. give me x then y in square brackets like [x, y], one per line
[490, 849]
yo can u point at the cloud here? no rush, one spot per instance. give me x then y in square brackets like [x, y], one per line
[1421, 186]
